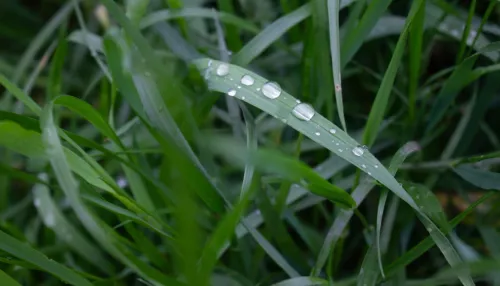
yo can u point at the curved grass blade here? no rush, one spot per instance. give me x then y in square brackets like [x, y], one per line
[359, 194]
[270, 34]
[100, 231]
[483, 179]
[197, 12]
[55, 220]
[290, 168]
[7, 280]
[27, 253]
[378, 109]
[333, 18]
[380, 215]
[303, 281]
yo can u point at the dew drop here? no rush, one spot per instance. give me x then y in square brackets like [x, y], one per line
[50, 220]
[239, 86]
[303, 111]
[429, 229]
[247, 80]
[358, 151]
[376, 166]
[37, 202]
[242, 97]
[364, 166]
[271, 90]
[258, 88]
[317, 133]
[337, 144]
[340, 150]
[298, 101]
[231, 92]
[210, 63]
[222, 70]
[369, 173]
[333, 131]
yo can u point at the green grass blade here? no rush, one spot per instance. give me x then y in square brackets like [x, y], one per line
[270, 35]
[359, 194]
[480, 178]
[429, 204]
[303, 281]
[467, 29]
[369, 272]
[233, 35]
[54, 87]
[377, 111]
[380, 215]
[27, 253]
[55, 220]
[415, 45]
[333, 17]
[6, 280]
[353, 40]
[20, 95]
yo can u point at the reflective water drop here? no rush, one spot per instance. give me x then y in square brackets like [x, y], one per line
[231, 92]
[37, 202]
[317, 133]
[222, 70]
[210, 63]
[364, 166]
[258, 88]
[271, 90]
[337, 144]
[333, 131]
[239, 86]
[429, 229]
[340, 150]
[242, 97]
[247, 80]
[358, 151]
[50, 220]
[303, 111]
[369, 173]
[376, 166]
[298, 101]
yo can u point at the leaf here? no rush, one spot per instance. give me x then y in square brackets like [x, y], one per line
[479, 178]
[7, 280]
[27, 253]
[303, 281]
[272, 161]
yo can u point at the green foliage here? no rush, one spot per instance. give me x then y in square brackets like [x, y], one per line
[165, 142]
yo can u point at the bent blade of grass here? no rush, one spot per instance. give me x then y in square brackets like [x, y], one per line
[100, 231]
[303, 281]
[7, 280]
[55, 220]
[359, 194]
[25, 252]
[378, 109]
[270, 35]
[380, 215]
[197, 12]
[353, 40]
[333, 17]
[480, 178]
[460, 77]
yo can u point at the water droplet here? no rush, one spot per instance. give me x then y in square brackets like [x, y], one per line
[298, 101]
[303, 111]
[429, 229]
[364, 166]
[258, 88]
[358, 151]
[340, 150]
[239, 86]
[376, 166]
[369, 173]
[222, 70]
[37, 202]
[50, 220]
[231, 92]
[242, 97]
[210, 63]
[338, 87]
[284, 120]
[333, 131]
[247, 80]
[271, 90]
[337, 144]
[317, 133]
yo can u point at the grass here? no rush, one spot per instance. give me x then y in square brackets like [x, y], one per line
[249, 143]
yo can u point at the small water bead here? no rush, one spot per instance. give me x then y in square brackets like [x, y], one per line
[340, 150]
[317, 133]
[376, 166]
[358, 151]
[303, 111]
[239, 86]
[258, 88]
[242, 97]
[364, 166]
[337, 144]
[271, 90]
[210, 63]
[231, 92]
[369, 173]
[222, 70]
[333, 131]
[247, 80]
[298, 101]
[37, 202]
[50, 220]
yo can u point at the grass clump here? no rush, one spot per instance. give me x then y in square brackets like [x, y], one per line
[249, 143]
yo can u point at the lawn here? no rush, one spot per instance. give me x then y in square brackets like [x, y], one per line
[238, 143]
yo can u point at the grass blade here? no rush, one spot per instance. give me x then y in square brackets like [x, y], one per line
[479, 178]
[27, 253]
[377, 111]
[333, 17]
[7, 280]
[303, 281]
